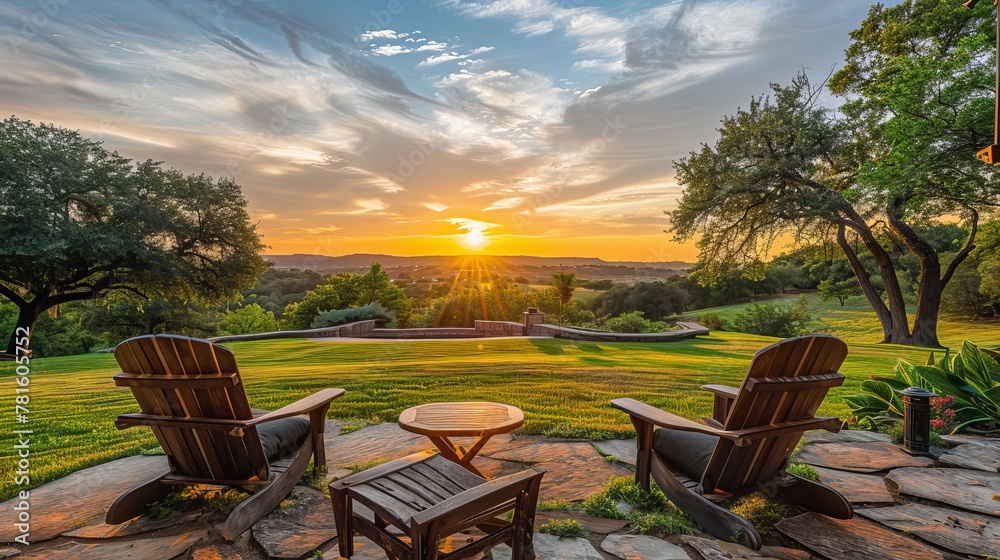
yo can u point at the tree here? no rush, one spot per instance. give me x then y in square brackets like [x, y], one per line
[248, 319]
[919, 92]
[563, 283]
[839, 290]
[344, 290]
[598, 285]
[78, 222]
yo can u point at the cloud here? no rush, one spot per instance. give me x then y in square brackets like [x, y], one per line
[465, 224]
[380, 34]
[445, 57]
[435, 206]
[390, 50]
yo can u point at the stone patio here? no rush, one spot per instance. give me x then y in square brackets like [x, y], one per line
[943, 508]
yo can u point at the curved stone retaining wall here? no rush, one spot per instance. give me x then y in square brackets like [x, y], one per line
[357, 329]
[687, 330]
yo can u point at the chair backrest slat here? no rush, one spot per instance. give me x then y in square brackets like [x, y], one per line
[190, 378]
[786, 382]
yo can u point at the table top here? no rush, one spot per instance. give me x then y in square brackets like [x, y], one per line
[459, 419]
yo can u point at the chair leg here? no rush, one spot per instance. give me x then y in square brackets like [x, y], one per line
[343, 518]
[816, 497]
[317, 426]
[644, 451]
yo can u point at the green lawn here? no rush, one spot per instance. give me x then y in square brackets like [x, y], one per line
[562, 386]
[855, 322]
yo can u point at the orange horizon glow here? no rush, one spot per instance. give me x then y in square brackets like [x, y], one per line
[640, 248]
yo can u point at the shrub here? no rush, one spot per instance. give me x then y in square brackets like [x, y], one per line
[350, 315]
[771, 320]
[248, 319]
[634, 322]
[562, 528]
[711, 321]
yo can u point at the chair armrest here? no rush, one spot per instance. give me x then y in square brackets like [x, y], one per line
[722, 390]
[659, 417]
[479, 500]
[301, 406]
[725, 396]
[828, 423]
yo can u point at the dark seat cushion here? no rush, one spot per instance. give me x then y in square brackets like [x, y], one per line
[281, 438]
[687, 452]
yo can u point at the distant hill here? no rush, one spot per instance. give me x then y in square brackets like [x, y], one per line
[516, 264]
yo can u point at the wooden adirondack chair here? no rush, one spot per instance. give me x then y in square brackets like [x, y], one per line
[744, 448]
[192, 397]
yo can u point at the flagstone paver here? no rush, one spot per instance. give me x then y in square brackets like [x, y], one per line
[574, 469]
[381, 442]
[143, 524]
[864, 457]
[551, 547]
[591, 523]
[970, 490]
[300, 527]
[854, 539]
[623, 449]
[642, 547]
[959, 439]
[159, 548]
[970, 456]
[845, 436]
[958, 531]
[80, 497]
[364, 549]
[857, 488]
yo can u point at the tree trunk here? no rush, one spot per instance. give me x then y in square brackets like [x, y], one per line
[26, 317]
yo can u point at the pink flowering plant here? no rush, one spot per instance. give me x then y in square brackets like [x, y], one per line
[943, 417]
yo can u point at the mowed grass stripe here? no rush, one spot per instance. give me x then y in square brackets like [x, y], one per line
[563, 387]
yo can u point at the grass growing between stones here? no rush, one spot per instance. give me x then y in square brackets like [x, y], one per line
[186, 498]
[650, 513]
[562, 528]
[761, 512]
[562, 386]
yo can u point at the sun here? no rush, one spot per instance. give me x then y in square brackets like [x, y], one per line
[474, 238]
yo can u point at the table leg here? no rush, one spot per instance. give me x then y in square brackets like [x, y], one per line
[457, 454]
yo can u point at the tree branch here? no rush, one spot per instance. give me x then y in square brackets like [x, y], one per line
[966, 249]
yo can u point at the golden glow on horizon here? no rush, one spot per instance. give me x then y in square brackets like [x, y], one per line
[656, 247]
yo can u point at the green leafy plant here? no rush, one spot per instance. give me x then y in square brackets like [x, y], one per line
[562, 528]
[969, 383]
[803, 470]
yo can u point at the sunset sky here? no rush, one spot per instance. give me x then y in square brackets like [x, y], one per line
[410, 127]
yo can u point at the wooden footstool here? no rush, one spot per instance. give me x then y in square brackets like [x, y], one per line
[428, 498]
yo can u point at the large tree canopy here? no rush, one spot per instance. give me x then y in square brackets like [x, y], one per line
[78, 221]
[897, 156]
